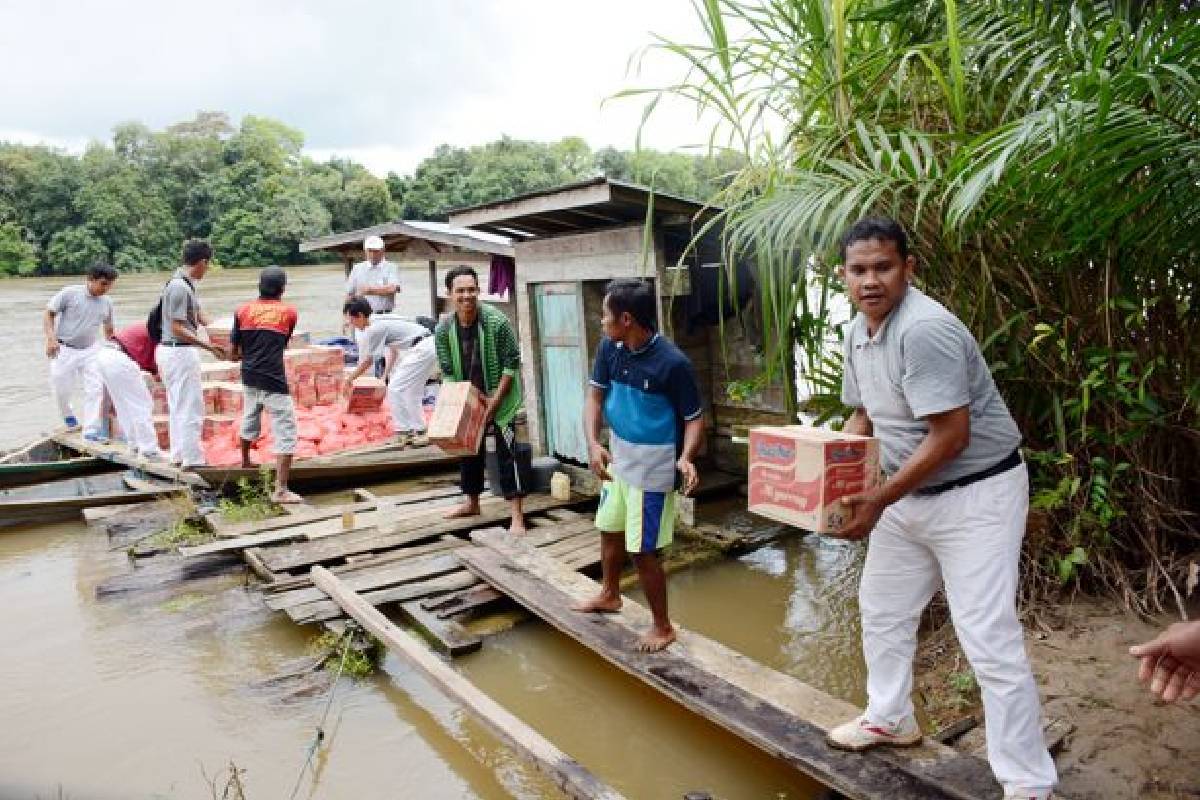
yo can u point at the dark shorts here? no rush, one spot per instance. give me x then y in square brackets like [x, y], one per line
[505, 458]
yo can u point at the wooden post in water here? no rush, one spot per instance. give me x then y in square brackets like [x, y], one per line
[568, 774]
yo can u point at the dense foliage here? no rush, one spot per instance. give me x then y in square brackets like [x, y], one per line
[1046, 158]
[256, 196]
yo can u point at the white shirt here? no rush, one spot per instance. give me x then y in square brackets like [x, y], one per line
[365, 274]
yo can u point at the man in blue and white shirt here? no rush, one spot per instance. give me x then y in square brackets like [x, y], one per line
[645, 388]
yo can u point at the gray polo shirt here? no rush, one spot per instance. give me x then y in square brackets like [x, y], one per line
[365, 274]
[78, 314]
[924, 361]
[179, 302]
[386, 330]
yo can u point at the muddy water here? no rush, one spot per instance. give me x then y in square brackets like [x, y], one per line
[146, 695]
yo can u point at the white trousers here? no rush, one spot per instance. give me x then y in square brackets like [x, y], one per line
[66, 370]
[406, 388]
[122, 379]
[179, 368]
[970, 540]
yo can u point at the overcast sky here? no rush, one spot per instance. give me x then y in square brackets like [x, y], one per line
[380, 82]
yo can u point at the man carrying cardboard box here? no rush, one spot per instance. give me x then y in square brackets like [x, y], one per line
[645, 388]
[952, 511]
[476, 343]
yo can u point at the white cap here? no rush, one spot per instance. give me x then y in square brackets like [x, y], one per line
[373, 243]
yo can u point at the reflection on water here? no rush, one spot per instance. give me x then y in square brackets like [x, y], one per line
[143, 695]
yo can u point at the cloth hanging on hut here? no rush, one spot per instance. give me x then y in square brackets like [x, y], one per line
[502, 277]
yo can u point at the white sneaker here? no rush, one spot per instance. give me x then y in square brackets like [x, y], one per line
[861, 734]
[1015, 793]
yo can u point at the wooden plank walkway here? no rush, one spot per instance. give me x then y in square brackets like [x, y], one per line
[414, 527]
[428, 571]
[568, 774]
[771, 710]
[119, 454]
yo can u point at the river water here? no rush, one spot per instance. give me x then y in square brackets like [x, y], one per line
[153, 695]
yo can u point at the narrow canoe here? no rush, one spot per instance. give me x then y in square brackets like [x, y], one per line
[63, 499]
[45, 460]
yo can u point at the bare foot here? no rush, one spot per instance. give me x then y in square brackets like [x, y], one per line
[600, 604]
[464, 510]
[247, 465]
[655, 640]
[286, 497]
[517, 528]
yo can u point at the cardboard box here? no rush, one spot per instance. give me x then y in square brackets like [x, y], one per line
[327, 386]
[214, 371]
[218, 426]
[219, 333]
[212, 397]
[458, 419]
[328, 355]
[366, 395]
[230, 397]
[798, 474]
[162, 429]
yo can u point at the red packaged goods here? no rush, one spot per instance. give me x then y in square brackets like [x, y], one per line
[219, 333]
[219, 426]
[366, 394]
[798, 474]
[212, 397]
[214, 371]
[327, 388]
[457, 422]
[162, 429]
[329, 356]
[230, 398]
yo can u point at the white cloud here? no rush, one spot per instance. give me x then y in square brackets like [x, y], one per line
[382, 82]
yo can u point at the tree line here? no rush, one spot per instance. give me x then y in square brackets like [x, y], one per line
[253, 193]
[1044, 158]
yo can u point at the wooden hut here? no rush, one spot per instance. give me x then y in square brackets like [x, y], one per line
[568, 243]
[434, 246]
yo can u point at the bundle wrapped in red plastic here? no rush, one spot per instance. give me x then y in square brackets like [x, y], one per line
[321, 430]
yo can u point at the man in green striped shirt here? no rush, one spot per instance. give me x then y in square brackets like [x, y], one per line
[477, 343]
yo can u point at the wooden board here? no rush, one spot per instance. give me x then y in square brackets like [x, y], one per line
[448, 636]
[380, 582]
[120, 454]
[378, 461]
[568, 774]
[404, 531]
[771, 710]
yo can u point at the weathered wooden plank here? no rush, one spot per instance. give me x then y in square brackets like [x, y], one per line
[254, 561]
[119, 454]
[408, 571]
[255, 540]
[331, 512]
[446, 635]
[367, 561]
[322, 610]
[405, 531]
[772, 711]
[569, 775]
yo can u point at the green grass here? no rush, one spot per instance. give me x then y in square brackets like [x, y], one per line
[362, 659]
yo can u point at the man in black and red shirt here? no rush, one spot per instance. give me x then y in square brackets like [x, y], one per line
[261, 330]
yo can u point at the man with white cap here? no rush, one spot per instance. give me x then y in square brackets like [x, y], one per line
[375, 279]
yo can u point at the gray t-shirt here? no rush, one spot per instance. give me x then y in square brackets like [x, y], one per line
[386, 330]
[365, 274]
[924, 361]
[78, 314]
[179, 302]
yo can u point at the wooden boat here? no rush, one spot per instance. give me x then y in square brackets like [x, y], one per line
[66, 498]
[378, 462]
[45, 460]
[362, 465]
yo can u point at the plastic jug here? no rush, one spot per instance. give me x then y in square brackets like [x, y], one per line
[560, 486]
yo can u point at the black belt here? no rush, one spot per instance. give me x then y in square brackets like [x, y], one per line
[1012, 460]
[418, 339]
[177, 344]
